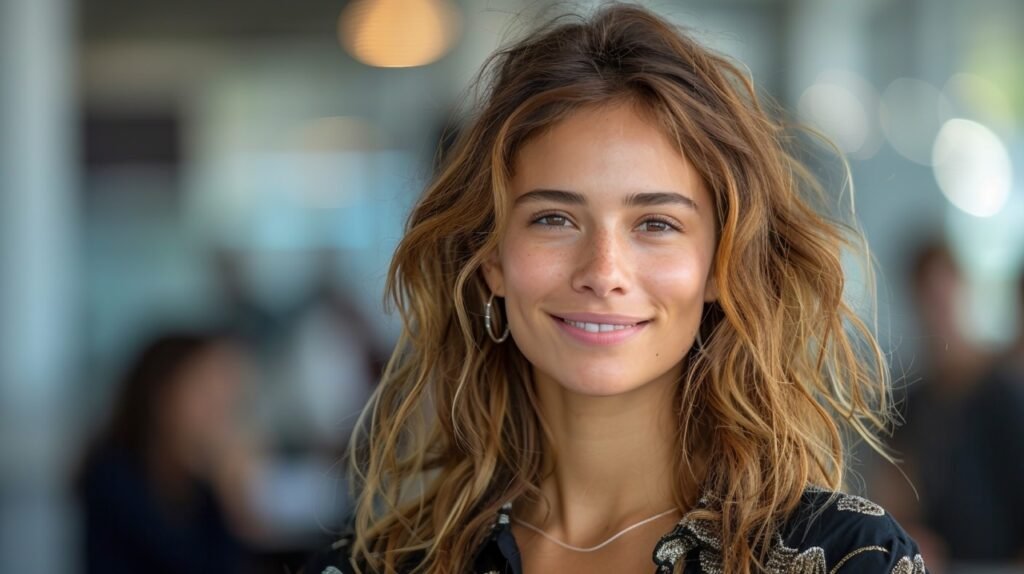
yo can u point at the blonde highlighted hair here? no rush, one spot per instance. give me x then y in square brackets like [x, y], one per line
[786, 367]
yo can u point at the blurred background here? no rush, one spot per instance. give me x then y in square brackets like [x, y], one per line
[198, 202]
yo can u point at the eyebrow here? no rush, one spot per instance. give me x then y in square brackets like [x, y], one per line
[552, 195]
[659, 198]
[646, 199]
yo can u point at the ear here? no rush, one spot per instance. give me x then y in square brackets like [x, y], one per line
[494, 275]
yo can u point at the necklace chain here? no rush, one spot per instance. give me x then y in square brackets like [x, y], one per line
[601, 545]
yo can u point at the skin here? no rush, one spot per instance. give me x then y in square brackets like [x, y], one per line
[598, 250]
[202, 436]
[201, 409]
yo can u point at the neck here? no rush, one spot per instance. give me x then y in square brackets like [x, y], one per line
[610, 461]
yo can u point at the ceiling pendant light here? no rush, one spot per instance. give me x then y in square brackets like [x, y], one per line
[398, 33]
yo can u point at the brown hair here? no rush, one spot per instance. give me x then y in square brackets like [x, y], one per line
[453, 430]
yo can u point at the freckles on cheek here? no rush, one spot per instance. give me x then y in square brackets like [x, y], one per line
[533, 262]
[521, 270]
[537, 274]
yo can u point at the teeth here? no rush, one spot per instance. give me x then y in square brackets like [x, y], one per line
[596, 327]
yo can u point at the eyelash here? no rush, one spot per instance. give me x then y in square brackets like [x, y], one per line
[669, 224]
[539, 219]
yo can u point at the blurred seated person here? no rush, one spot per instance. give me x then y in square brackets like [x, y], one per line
[163, 486]
[963, 440]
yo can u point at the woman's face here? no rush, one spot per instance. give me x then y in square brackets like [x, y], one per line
[201, 406]
[604, 265]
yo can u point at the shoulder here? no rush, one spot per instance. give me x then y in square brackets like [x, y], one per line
[828, 532]
[111, 480]
[844, 533]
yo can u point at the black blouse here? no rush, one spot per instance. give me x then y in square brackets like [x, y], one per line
[829, 533]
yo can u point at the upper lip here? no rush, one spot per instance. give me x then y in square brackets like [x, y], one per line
[600, 318]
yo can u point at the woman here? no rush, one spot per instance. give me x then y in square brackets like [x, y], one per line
[163, 487]
[625, 346]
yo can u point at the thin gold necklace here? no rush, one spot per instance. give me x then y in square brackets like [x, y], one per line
[601, 545]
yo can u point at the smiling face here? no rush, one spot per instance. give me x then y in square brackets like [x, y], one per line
[604, 265]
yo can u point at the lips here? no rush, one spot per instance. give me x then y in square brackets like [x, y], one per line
[597, 327]
[602, 318]
[600, 329]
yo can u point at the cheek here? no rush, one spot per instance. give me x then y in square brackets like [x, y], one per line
[194, 405]
[533, 271]
[678, 277]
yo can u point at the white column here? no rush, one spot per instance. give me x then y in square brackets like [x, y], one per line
[37, 275]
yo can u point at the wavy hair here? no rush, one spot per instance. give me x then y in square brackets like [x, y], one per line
[788, 371]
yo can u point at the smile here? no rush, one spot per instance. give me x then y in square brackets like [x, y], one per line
[597, 327]
[600, 330]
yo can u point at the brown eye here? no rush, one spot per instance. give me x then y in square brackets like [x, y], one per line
[552, 220]
[657, 226]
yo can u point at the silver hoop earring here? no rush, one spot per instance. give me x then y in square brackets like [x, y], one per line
[488, 321]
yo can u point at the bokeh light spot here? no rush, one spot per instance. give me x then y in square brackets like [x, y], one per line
[972, 167]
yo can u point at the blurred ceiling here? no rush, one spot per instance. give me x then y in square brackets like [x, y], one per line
[206, 19]
[255, 19]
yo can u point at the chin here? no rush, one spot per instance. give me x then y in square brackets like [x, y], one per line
[599, 389]
[600, 382]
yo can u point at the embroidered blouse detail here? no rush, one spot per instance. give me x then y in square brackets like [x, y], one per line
[858, 504]
[829, 533]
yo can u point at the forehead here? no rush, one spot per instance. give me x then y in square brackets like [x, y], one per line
[603, 150]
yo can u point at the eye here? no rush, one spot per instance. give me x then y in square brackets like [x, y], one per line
[658, 225]
[553, 220]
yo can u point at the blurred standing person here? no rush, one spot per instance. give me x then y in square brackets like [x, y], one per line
[336, 360]
[163, 486]
[963, 440]
[1013, 360]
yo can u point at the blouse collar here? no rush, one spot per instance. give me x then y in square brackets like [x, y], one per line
[686, 535]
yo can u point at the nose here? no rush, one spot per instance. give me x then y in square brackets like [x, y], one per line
[603, 265]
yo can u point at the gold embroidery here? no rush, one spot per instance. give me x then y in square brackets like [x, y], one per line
[857, 504]
[908, 566]
[785, 560]
[701, 535]
[854, 553]
[672, 550]
[810, 561]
